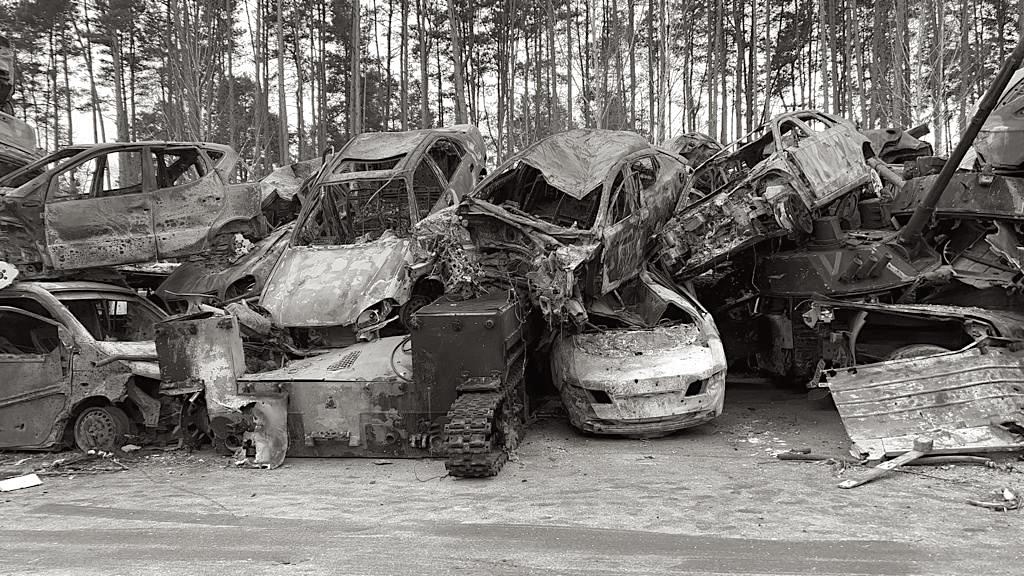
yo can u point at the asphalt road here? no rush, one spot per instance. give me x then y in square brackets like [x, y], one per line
[708, 501]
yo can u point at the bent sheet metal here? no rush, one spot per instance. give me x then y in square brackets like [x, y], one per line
[971, 400]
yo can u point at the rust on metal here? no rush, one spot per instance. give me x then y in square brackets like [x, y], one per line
[970, 400]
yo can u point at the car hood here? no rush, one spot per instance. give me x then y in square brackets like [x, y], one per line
[315, 286]
[643, 361]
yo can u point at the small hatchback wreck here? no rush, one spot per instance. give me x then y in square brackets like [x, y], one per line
[78, 364]
[123, 203]
[350, 267]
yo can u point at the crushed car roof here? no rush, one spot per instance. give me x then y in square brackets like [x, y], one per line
[578, 161]
[383, 145]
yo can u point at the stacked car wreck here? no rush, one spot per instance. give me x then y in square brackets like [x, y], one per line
[418, 307]
[814, 278]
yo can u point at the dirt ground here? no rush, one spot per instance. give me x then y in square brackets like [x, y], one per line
[712, 500]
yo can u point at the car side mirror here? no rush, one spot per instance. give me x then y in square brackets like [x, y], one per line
[66, 338]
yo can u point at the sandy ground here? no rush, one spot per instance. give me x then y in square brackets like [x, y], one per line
[712, 500]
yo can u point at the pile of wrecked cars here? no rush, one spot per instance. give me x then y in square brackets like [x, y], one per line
[420, 310]
[901, 299]
[78, 356]
[417, 306]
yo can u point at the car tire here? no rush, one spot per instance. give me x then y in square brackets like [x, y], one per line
[101, 428]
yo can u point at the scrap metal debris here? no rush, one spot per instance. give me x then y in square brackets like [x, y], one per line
[922, 446]
[1000, 500]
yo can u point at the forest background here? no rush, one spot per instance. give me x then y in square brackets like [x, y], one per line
[256, 74]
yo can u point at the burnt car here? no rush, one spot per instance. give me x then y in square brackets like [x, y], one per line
[651, 363]
[124, 203]
[774, 182]
[245, 276]
[78, 365]
[350, 266]
[568, 219]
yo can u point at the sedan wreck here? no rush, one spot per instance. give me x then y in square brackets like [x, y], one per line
[123, 203]
[658, 368]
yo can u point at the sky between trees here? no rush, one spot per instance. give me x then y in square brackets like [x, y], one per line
[229, 70]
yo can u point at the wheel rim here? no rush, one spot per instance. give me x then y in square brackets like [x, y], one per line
[97, 429]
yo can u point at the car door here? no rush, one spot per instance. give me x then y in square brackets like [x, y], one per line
[623, 238]
[98, 212]
[829, 157]
[188, 200]
[35, 376]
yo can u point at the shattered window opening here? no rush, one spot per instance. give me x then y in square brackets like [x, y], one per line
[448, 155]
[427, 188]
[646, 170]
[624, 201]
[353, 165]
[77, 182]
[357, 211]
[178, 166]
[113, 319]
[117, 173]
[21, 334]
[525, 188]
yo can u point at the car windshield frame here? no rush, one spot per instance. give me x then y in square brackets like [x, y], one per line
[66, 298]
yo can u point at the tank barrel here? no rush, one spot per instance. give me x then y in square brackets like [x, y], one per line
[911, 233]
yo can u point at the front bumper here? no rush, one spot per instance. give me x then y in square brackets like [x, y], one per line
[649, 414]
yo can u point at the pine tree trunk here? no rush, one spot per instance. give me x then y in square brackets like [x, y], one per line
[282, 103]
[425, 121]
[457, 58]
[403, 68]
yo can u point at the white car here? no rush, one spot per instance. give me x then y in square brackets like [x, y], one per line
[665, 373]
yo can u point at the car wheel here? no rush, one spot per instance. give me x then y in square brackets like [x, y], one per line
[409, 308]
[101, 428]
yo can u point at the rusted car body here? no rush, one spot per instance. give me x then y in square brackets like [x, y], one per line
[662, 372]
[895, 146]
[966, 401]
[570, 218]
[17, 144]
[78, 363]
[204, 349]
[281, 191]
[1000, 144]
[17, 139]
[123, 203]
[350, 266]
[246, 276]
[772, 183]
[858, 333]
